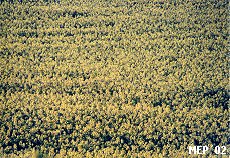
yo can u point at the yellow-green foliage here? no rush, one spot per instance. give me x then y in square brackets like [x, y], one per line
[117, 78]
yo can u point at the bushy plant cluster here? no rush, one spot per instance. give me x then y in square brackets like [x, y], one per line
[113, 78]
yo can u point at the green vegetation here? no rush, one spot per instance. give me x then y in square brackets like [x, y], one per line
[113, 78]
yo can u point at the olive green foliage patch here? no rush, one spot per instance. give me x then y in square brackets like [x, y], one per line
[113, 78]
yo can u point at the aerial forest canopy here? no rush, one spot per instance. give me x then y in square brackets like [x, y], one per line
[113, 78]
